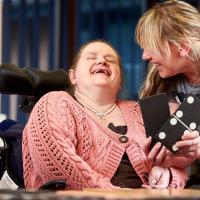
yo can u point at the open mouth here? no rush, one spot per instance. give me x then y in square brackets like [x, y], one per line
[101, 71]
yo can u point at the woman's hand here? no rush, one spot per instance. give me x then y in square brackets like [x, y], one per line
[189, 145]
[159, 178]
[159, 155]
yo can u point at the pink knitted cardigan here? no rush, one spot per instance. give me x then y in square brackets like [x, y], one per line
[62, 140]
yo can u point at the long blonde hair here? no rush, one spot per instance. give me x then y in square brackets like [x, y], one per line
[168, 22]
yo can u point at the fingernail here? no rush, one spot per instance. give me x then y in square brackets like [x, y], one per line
[159, 144]
[186, 132]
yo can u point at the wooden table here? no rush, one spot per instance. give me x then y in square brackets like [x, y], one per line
[92, 194]
[134, 194]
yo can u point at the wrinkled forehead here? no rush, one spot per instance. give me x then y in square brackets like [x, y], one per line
[99, 48]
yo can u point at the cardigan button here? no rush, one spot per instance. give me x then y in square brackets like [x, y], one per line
[123, 139]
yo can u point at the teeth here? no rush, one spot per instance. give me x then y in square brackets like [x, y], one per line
[105, 72]
[101, 71]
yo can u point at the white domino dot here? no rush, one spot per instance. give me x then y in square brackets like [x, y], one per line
[179, 113]
[162, 135]
[173, 121]
[193, 125]
[186, 131]
[175, 148]
[190, 99]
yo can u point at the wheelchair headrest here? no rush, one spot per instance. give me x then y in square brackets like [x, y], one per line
[31, 83]
[46, 81]
[14, 80]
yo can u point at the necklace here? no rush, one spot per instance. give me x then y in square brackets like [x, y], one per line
[102, 115]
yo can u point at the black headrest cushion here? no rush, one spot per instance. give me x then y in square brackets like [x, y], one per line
[46, 81]
[13, 80]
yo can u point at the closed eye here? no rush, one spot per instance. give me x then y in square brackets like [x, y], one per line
[90, 57]
[111, 59]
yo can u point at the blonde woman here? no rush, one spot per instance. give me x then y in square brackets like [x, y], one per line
[169, 34]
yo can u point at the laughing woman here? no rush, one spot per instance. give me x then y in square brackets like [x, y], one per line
[91, 139]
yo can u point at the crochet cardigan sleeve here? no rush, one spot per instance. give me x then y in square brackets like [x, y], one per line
[49, 147]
